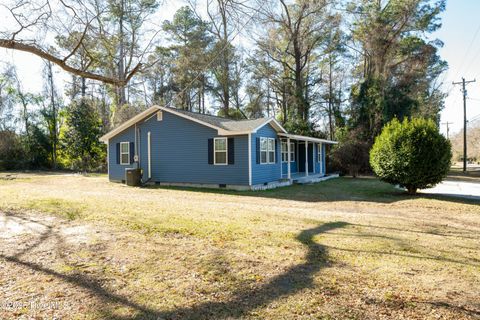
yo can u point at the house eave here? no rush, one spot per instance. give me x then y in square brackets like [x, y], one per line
[127, 124]
[305, 138]
[222, 132]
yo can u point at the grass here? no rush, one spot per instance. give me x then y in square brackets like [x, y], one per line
[471, 175]
[341, 249]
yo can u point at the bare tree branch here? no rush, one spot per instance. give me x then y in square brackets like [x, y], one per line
[30, 48]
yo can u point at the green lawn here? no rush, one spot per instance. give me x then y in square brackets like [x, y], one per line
[341, 249]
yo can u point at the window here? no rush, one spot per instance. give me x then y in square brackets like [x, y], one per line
[284, 151]
[267, 150]
[319, 152]
[124, 152]
[159, 116]
[263, 150]
[220, 150]
[271, 150]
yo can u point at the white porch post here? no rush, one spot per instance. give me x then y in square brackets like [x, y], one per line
[320, 145]
[306, 158]
[313, 158]
[281, 160]
[288, 157]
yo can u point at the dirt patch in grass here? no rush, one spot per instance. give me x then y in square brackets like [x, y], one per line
[343, 249]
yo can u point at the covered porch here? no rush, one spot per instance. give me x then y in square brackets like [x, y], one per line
[303, 158]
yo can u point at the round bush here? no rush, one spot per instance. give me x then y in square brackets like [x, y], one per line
[412, 154]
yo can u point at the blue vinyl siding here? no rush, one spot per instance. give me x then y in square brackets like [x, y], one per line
[116, 171]
[262, 173]
[293, 167]
[179, 153]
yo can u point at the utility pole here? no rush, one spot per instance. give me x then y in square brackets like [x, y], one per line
[464, 92]
[448, 128]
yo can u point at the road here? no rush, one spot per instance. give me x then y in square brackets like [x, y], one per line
[468, 190]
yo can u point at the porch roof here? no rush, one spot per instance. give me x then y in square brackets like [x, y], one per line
[305, 138]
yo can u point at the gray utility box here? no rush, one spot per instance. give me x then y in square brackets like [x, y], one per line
[133, 177]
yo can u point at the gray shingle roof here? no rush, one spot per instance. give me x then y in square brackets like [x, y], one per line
[224, 123]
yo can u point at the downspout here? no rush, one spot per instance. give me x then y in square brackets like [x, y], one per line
[136, 148]
[138, 142]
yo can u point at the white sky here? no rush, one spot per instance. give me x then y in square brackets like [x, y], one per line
[460, 33]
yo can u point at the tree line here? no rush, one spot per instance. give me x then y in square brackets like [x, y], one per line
[330, 68]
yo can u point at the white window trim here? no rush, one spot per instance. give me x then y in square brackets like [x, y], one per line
[268, 150]
[122, 153]
[215, 151]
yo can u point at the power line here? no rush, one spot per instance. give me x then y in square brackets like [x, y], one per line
[476, 118]
[464, 91]
[468, 50]
[460, 69]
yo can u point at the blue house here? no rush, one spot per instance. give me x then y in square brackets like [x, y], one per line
[182, 148]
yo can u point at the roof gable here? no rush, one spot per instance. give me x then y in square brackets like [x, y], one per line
[127, 124]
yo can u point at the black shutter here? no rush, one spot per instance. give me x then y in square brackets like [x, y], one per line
[132, 152]
[257, 147]
[210, 151]
[276, 151]
[231, 151]
[118, 152]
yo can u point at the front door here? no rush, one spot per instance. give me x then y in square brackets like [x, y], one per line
[301, 157]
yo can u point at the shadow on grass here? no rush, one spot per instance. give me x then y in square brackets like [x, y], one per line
[422, 256]
[361, 189]
[241, 302]
[295, 279]
[461, 233]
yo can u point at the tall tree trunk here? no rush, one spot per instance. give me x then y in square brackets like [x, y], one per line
[330, 96]
[268, 98]
[226, 62]
[120, 89]
[299, 82]
[84, 87]
[203, 94]
[53, 129]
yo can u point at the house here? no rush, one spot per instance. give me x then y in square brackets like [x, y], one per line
[177, 147]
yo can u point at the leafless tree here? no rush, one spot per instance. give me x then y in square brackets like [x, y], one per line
[33, 26]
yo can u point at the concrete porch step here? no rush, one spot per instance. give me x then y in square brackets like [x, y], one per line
[313, 179]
